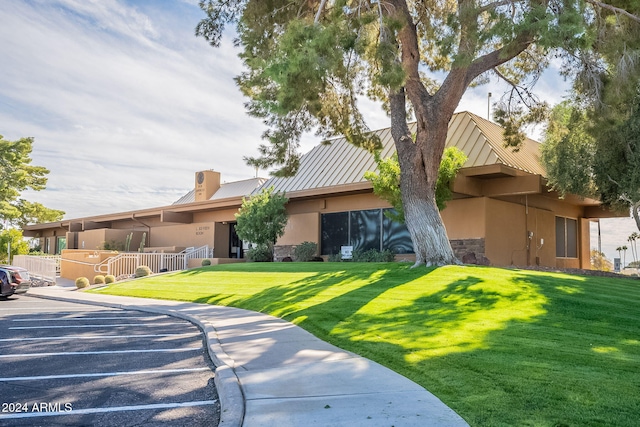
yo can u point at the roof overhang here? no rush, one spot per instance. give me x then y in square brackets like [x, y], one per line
[497, 185]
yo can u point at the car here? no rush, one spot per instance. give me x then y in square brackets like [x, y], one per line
[13, 280]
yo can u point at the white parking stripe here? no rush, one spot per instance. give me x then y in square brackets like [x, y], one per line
[84, 310]
[103, 374]
[97, 337]
[80, 353]
[55, 319]
[112, 409]
[97, 326]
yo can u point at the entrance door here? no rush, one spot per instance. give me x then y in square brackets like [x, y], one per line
[235, 244]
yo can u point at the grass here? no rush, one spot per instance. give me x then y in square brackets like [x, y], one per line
[501, 347]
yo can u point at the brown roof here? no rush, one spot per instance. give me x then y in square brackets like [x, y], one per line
[337, 163]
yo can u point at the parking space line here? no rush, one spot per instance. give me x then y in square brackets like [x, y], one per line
[112, 409]
[104, 374]
[96, 326]
[97, 337]
[55, 319]
[81, 353]
[59, 312]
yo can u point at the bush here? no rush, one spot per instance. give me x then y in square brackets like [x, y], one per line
[206, 262]
[305, 251]
[98, 280]
[142, 271]
[110, 278]
[335, 257]
[82, 282]
[260, 253]
[373, 255]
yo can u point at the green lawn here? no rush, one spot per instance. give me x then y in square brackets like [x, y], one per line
[501, 347]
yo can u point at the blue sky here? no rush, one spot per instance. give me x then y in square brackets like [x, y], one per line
[126, 104]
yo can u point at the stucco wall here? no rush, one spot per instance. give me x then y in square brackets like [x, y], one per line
[465, 218]
[196, 234]
[301, 228]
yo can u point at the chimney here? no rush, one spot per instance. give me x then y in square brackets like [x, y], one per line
[207, 183]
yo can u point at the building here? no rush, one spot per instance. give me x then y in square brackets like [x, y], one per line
[502, 212]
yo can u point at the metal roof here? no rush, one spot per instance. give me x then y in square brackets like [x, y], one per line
[337, 162]
[226, 190]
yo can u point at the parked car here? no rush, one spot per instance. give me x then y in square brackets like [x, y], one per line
[13, 280]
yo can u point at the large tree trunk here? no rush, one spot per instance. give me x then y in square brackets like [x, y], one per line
[419, 164]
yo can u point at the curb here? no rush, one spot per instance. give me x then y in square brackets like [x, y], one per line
[232, 399]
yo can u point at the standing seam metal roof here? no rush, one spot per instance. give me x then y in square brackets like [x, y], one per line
[337, 162]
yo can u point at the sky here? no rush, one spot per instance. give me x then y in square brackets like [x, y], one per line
[126, 104]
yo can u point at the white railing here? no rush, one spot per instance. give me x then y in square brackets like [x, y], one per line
[126, 264]
[45, 268]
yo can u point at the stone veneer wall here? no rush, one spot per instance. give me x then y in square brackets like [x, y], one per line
[283, 251]
[464, 248]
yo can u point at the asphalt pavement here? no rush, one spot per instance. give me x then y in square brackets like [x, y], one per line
[70, 364]
[270, 372]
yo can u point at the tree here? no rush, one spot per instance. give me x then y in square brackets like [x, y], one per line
[12, 239]
[633, 238]
[596, 155]
[262, 218]
[18, 175]
[599, 261]
[386, 183]
[307, 62]
[624, 258]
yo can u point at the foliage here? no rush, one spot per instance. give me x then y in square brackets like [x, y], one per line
[112, 245]
[335, 257]
[12, 237]
[260, 253]
[142, 271]
[486, 341]
[386, 183]
[206, 262]
[587, 157]
[373, 255]
[600, 262]
[262, 219]
[18, 175]
[82, 282]
[109, 278]
[305, 251]
[307, 64]
[99, 279]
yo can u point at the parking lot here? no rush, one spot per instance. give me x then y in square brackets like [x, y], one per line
[73, 364]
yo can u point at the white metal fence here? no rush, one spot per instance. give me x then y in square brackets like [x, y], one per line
[126, 264]
[45, 268]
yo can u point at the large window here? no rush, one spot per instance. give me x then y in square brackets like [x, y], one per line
[566, 237]
[364, 230]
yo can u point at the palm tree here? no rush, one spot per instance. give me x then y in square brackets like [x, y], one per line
[632, 239]
[624, 260]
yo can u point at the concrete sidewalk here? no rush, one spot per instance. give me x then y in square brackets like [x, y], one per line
[270, 372]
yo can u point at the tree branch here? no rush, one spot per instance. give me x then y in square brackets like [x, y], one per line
[614, 9]
[319, 12]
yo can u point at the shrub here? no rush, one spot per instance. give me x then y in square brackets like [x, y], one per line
[373, 255]
[142, 271]
[305, 251]
[260, 253]
[206, 262]
[335, 257]
[110, 278]
[82, 282]
[98, 280]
